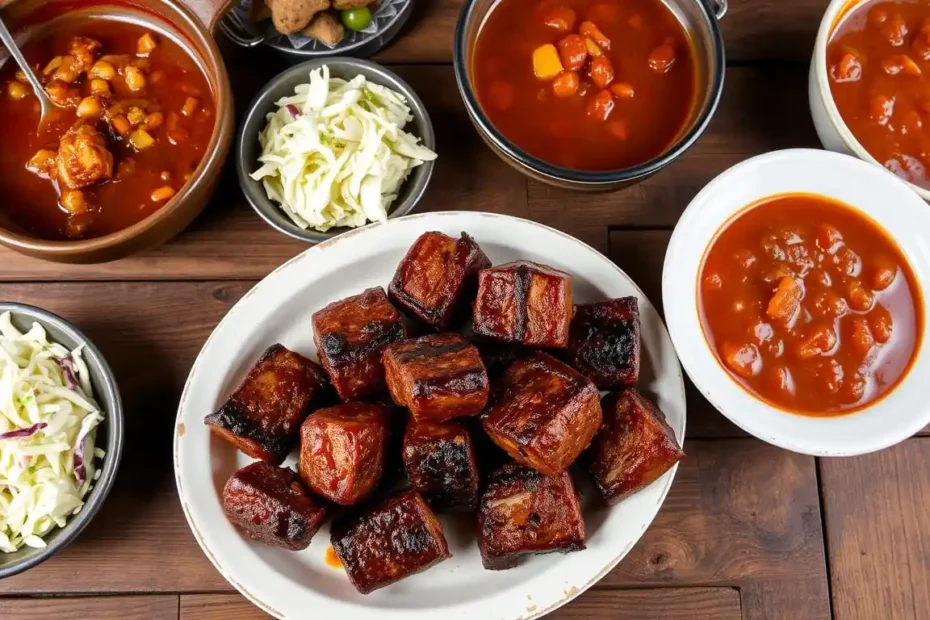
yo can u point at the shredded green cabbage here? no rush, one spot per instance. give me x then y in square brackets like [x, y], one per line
[335, 153]
[48, 422]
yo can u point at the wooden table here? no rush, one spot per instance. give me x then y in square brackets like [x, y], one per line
[748, 531]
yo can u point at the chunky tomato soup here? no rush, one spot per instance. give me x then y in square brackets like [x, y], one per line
[136, 117]
[879, 66]
[586, 84]
[810, 305]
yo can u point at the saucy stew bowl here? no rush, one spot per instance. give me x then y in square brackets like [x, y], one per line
[134, 168]
[585, 94]
[883, 415]
[865, 55]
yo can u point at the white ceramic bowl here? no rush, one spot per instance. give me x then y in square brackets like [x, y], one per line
[893, 418]
[831, 129]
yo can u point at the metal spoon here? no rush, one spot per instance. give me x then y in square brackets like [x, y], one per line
[46, 105]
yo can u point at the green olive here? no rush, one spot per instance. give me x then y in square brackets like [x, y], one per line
[356, 19]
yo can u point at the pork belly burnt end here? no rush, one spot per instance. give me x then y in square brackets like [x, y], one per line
[397, 538]
[440, 462]
[544, 413]
[634, 446]
[436, 275]
[523, 513]
[350, 336]
[605, 342]
[263, 416]
[524, 303]
[269, 504]
[342, 450]
[437, 377]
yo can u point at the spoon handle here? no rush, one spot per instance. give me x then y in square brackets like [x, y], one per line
[10, 44]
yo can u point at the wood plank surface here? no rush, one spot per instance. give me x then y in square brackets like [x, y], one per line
[878, 524]
[162, 607]
[596, 604]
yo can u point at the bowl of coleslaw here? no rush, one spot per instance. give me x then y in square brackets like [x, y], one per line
[61, 434]
[333, 144]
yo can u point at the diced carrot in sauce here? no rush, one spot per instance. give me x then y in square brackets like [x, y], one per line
[622, 90]
[593, 49]
[566, 84]
[501, 95]
[883, 274]
[546, 63]
[848, 69]
[880, 324]
[860, 336]
[662, 58]
[601, 72]
[901, 63]
[744, 359]
[190, 106]
[600, 107]
[561, 19]
[573, 52]
[121, 125]
[859, 297]
[819, 341]
[162, 193]
[786, 301]
[618, 129]
[590, 30]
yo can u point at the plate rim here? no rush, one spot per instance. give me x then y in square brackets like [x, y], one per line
[570, 593]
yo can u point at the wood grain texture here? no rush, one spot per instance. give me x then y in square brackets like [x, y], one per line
[163, 607]
[878, 525]
[596, 604]
[743, 514]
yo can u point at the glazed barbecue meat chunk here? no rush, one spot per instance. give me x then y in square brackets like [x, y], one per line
[523, 512]
[437, 377]
[524, 303]
[498, 356]
[437, 273]
[350, 336]
[440, 463]
[269, 504]
[342, 450]
[397, 538]
[604, 344]
[543, 413]
[83, 158]
[263, 416]
[634, 446]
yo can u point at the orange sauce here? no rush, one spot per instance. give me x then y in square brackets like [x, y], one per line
[331, 559]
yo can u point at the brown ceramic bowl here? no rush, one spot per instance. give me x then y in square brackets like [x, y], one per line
[192, 28]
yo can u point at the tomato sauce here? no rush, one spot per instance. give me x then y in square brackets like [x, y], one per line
[142, 176]
[586, 84]
[878, 60]
[810, 305]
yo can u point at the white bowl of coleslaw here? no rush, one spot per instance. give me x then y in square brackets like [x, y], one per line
[61, 434]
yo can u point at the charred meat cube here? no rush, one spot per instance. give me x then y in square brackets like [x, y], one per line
[83, 157]
[351, 335]
[604, 344]
[269, 504]
[524, 303]
[263, 416]
[342, 450]
[634, 446]
[397, 538]
[437, 377]
[498, 356]
[435, 276]
[440, 463]
[543, 414]
[523, 512]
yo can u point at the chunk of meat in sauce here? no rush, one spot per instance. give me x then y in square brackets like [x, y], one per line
[83, 158]
[634, 446]
[396, 539]
[523, 512]
[605, 342]
[342, 450]
[83, 52]
[440, 462]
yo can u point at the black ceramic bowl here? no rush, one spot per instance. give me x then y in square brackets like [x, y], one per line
[699, 19]
[248, 148]
[109, 434]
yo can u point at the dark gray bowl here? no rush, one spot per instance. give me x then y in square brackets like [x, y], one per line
[248, 149]
[109, 433]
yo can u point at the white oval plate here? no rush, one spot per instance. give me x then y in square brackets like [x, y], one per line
[290, 584]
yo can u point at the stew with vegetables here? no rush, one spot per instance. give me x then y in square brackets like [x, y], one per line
[137, 115]
[878, 61]
[586, 84]
[810, 305]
